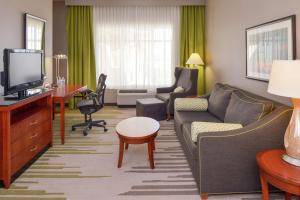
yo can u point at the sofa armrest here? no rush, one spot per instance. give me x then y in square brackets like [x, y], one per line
[166, 89]
[205, 96]
[229, 156]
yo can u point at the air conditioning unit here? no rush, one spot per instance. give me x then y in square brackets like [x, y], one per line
[128, 97]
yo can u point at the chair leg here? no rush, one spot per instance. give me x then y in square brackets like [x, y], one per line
[99, 125]
[79, 125]
[100, 121]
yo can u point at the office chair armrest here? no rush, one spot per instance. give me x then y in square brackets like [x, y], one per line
[92, 95]
[85, 92]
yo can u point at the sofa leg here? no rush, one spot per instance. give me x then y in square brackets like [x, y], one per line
[203, 196]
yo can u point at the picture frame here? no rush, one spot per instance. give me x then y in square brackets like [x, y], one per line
[274, 40]
[35, 34]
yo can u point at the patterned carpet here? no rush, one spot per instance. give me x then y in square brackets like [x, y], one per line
[85, 168]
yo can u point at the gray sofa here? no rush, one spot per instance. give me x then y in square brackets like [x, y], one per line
[184, 77]
[224, 162]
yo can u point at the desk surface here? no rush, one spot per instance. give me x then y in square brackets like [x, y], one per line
[67, 91]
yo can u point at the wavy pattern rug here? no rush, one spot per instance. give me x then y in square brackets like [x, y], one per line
[85, 168]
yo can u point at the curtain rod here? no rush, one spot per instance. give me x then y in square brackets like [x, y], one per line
[136, 2]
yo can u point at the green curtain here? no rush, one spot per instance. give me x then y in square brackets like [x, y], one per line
[81, 53]
[192, 38]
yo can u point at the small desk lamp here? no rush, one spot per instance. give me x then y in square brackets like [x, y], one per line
[195, 59]
[284, 81]
[57, 59]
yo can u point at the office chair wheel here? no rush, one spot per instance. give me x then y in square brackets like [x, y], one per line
[85, 133]
[105, 129]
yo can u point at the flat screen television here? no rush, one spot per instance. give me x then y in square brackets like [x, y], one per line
[22, 70]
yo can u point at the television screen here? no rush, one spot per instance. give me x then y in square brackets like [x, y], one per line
[24, 68]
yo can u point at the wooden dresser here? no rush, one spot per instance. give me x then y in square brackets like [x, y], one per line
[25, 130]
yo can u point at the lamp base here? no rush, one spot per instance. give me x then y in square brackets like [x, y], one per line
[291, 160]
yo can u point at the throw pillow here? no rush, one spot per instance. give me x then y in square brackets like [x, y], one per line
[179, 90]
[204, 127]
[219, 100]
[191, 104]
[244, 110]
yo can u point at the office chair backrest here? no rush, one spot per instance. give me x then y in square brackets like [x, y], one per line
[100, 90]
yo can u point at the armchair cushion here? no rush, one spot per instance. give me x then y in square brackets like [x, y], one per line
[179, 89]
[219, 100]
[246, 110]
[206, 127]
[191, 104]
[163, 96]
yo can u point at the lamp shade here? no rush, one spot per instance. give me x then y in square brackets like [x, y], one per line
[195, 59]
[285, 79]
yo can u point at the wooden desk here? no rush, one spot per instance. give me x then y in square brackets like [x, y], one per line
[277, 172]
[60, 96]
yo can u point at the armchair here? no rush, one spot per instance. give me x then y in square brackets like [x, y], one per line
[185, 78]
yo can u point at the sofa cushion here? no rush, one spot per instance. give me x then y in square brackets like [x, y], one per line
[219, 100]
[189, 117]
[245, 110]
[268, 104]
[163, 96]
[206, 127]
[191, 104]
[179, 89]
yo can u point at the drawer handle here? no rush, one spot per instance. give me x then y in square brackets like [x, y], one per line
[33, 136]
[33, 149]
[33, 123]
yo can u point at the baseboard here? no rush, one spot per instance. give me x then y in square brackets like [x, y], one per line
[126, 106]
[110, 104]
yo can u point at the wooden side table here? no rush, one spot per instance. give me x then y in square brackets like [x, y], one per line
[277, 172]
[137, 130]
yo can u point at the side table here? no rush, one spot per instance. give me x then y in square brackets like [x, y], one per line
[277, 172]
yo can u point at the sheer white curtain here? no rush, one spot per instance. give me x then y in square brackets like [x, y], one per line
[137, 47]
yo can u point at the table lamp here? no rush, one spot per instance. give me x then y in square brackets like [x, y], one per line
[57, 63]
[195, 59]
[285, 81]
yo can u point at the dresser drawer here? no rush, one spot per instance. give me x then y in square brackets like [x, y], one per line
[28, 153]
[31, 137]
[20, 128]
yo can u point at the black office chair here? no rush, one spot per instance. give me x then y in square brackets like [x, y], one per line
[92, 102]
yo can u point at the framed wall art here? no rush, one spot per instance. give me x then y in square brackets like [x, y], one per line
[275, 40]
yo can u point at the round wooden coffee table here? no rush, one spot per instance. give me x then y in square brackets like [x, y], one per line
[277, 172]
[137, 130]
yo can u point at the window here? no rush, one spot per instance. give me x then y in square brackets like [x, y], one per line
[137, 47]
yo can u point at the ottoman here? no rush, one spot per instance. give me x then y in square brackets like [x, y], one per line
[151, 107]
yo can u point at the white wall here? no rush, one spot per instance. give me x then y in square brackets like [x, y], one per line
[12, 26]
[226, 51]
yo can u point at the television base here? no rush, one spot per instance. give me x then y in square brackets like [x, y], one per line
[23, 94]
